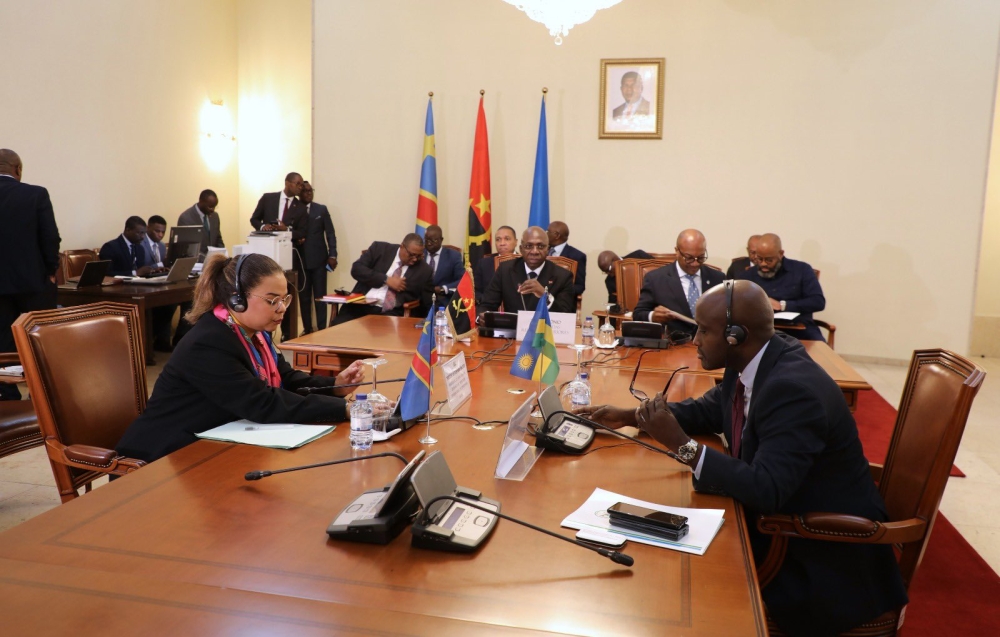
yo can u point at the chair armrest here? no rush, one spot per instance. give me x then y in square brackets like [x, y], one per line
[829, 327]
[876, 471]
[9, 358]
[91, 458]
[838, 527]
[409, 306]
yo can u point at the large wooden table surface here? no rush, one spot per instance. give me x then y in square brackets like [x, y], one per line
[185, 546]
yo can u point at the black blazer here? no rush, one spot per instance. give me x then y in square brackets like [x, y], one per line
[663, 287]
[267, 212]
[370, 272]
[737, 267]
[190, 217]
[116, 251]
[29, 241]
[511, 274]
[209, 381]
[800, 453]
[321, 238]
[482, 274]
[580, 282]
[450, 268]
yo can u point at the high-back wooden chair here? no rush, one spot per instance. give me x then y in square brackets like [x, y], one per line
[566, 263]
[664, 256]
[938, 395]
[86, 370]
[72, 261]
[500, 258]
[18, 424]
[629, 274]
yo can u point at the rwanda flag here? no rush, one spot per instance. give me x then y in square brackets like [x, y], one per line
[537, 357]
[415, 401]
[427, 203]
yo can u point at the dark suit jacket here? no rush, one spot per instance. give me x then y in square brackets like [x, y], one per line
[737, 267]
[800, 453]
[209, 381]
[511, 274]
[321, 238]
[663, 287]
[116, 251]
[267, 212]
[370, 272]
[797, 285]
[611, 283]
[482, 274]
[190, 217]
[29, 239]
[450, 268]
[581, 269]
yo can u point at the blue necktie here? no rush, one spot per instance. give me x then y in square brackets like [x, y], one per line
[131, 252]
[693, 292]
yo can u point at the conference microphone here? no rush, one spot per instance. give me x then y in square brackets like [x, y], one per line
[329, 389]
[257, 475]
[614, 556]
[587, 421]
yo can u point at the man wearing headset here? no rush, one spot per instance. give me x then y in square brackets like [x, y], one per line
[793, 448]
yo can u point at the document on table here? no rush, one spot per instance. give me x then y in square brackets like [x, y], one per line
[12, 370]
[786, 316]
[276, 436]
[593, 515]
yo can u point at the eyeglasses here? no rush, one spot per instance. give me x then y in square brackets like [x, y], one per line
[690, 258]
[638, 393]
[283, 300]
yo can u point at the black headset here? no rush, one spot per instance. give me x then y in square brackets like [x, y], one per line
[238, 302]
[735, 334]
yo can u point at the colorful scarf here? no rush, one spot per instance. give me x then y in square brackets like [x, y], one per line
[265, 367]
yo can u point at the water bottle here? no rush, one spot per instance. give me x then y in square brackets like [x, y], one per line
[580, 393]
[361, 424]
[587, 333]
[441, 331]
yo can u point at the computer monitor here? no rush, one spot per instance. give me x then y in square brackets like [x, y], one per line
[185, 241]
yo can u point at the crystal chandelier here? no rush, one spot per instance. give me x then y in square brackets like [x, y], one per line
[559, 16]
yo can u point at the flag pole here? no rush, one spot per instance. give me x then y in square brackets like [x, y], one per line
[427, 438]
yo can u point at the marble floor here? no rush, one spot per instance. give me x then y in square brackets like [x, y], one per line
[27, 488]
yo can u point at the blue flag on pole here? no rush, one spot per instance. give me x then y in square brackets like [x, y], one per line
[415, 400]
[539, 212]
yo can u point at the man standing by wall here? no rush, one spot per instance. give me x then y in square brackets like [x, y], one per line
[320, 252]
[203, 214]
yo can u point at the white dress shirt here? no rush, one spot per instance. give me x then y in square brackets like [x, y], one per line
[378, 294]
[154, 252]
[557, 250]
[538, 273]
[686, 282]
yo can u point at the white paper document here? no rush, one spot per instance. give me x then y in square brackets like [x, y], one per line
[703, 524]
[276, 436]
[563, 326]
[786, 316]
[12, 370]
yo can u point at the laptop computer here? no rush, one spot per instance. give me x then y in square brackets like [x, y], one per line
[93, 275]
[179, 271]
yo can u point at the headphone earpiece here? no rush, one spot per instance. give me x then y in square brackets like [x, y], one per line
[735, 334]
[238, 302]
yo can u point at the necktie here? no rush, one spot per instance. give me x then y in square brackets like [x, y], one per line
[552, 252]
[208, 229]
[693, 292]
[284, 213]
[739, 401]
[532, 275]
[390, 295]
[131, 252]
[433, 263]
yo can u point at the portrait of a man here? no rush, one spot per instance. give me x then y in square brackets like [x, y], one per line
[635, 103]
[631, 99]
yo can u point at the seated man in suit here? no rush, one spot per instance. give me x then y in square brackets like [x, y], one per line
[163, 316]
[744, 263]
[519, 283]
[203, 214]
[505, 241]
[446, 264]
[793, 449]
[558, 236]
[606, 262]
[792, 286]
[674, 289]
[127, 253]
[390, 275]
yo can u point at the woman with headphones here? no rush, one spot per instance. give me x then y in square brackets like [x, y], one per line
[226, 368]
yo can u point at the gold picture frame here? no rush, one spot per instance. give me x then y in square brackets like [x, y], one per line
[623, 114]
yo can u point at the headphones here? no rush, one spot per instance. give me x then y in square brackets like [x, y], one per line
[238, 302]
[735, 334]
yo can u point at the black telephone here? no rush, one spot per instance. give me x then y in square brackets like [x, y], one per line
[669, 526]
[559, 432]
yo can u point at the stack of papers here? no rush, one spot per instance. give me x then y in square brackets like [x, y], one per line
[12, 370]
[350, 298]
[593, 516]
[786, 316]
[276, 436]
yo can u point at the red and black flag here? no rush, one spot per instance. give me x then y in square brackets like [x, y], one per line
[462, 308]
[478, 241]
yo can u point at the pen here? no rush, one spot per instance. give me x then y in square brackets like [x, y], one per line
[268, 427]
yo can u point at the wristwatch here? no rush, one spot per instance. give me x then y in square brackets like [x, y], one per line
[782, 303]
[688, 451]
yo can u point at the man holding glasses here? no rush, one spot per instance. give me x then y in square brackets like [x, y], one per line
[519, 283]
[670, 293]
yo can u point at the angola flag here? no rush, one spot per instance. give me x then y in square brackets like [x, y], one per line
[537, 358]
[477, 242]
[427, 203]
[462, 308]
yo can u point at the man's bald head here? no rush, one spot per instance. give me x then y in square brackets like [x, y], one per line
[769, 255]
[692, 250]
[750, 310]
[558, 233]
[606, 259]
[10, 163]
[534, 246]
[752, 244]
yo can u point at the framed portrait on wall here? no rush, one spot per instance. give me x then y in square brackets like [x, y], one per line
[631, 99]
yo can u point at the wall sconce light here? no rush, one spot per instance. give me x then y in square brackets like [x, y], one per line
[217, 139]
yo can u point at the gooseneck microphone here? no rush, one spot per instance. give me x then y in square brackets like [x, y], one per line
[614, 556]
[598, 425]
[257, 475]
[329, 389]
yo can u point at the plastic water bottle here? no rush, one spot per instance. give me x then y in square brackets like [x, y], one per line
[441, 330]
[580, 393]
[361, 424]
[587, 333]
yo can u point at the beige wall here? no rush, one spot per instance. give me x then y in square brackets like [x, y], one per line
[986, 327]
[859, 131]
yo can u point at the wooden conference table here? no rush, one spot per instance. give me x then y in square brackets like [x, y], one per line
[186, 546]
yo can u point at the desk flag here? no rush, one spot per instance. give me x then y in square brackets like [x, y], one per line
[537, 358]
[415, 400]
[462, 308]
[477, 242]
[427, 203]
[539, 212]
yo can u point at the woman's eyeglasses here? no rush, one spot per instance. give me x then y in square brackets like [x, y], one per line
[272, 301]
[638, 393]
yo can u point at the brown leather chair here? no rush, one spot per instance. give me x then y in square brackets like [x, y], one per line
[629, 274]
[72, 262]
[500, 258]
[935, 405]
[85, 368]
[664, 256]
[18, 424]
[569, 264]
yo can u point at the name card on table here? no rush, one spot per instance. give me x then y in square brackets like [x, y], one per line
[563, 326]
[456, 379]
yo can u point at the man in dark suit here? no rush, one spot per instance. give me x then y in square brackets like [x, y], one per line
[505, 240]
[791, 286]
[390, 275]
[127, 253]
[163, 316]
[203, 214]
[29, 253]
[282, 211]
[741, 264]
[673, 290]
[635, 103]
[558, 236]
[519, 283]
[446, 264]
[793, 449]
[606, 262]
[320, 251]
